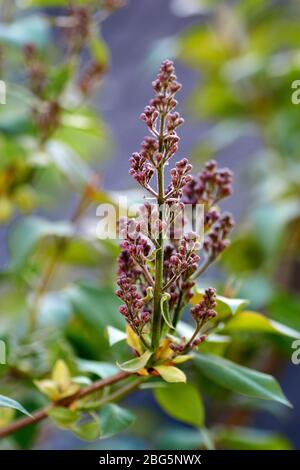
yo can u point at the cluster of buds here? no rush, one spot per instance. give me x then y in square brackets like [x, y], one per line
[162, 123]
[141, 169]
[204, 310]
[145, 262]
[209, 187]
[45, 111]
[35, 69]
[77, 26]
[47, 118]
[134, 309]
[90, 77]
[186, 259]
[180, 177]
[217, 238]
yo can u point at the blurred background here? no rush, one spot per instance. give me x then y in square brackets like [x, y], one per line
[237, 61]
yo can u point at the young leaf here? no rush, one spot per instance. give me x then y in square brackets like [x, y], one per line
[63, 417]
[7, 402]
[137, 363]
[240, 379]
[114, 419]
[48, 388]
[170, 373]
[182, 402]
[61, 373]
[133, 340]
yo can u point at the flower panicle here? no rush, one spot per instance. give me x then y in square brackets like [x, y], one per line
[184, 257]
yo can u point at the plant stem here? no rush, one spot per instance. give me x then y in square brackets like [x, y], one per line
[177, 310]
[117, 395]
[43, 413]
[159, 257]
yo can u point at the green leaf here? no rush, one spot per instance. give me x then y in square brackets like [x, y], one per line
[102, 369]
[7, 402]
[164, 307]
[63, 417]
[26, 233]
[115, 335]
[99, 50]
[170, 373]
[137, 363]
[59, 79]
[285, 307]
[182, 402]
[114, 419]
[89, 431]
[240, 379]
[240, 438]
[254, 321]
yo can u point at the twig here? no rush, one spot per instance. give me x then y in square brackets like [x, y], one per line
[41, 414]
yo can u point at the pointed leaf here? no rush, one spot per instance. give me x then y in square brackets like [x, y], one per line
[240, 379]
[7, 402]
[137, 363]
[61, 373]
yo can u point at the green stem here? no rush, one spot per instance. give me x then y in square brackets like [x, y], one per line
[178, 310]
[159, 257]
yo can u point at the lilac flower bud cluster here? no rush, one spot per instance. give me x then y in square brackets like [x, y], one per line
[77, 26]
[216, 240]
[179, 178]
[209, 187]
[133, 309]
[162, 123]
[204, 310]
[35, 69]
[148, 264]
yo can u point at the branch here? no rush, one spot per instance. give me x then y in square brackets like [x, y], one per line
[41, 414]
